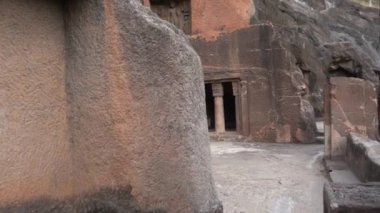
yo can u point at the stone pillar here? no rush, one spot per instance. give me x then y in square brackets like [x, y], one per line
[217, 90]
[244, 108]
[236, 91]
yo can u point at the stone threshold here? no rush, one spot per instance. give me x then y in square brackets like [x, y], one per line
[351, 198]
[363, 157]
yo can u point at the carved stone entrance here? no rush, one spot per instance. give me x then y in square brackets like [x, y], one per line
[222, 106]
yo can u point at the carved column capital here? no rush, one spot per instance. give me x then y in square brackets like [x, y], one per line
[235, 88]
[217, 90]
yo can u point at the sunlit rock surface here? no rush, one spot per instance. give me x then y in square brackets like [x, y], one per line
[102, 110]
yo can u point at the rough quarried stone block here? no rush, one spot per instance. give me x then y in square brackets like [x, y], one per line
[351, 198]
[363, 157]
[102, 110]
[350, 106]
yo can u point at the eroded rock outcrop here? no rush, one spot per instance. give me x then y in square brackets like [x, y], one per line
[328, 38]
[102, 110]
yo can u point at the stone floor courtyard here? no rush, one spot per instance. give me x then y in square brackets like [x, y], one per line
[269, 178]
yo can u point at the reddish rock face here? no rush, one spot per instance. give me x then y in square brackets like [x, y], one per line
[102, 110]
[208, 19]
[271, 106]
[350, 106]
[211, 18]
[33, 110]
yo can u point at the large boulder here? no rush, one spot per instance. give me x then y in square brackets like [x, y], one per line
[102, 110]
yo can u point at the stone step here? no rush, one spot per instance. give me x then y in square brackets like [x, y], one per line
[351, 198]
[363, 157]
[227, 136]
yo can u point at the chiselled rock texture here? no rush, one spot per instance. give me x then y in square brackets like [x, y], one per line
[350, 106]
[351, 198]
[33, 110]
[272, 103]
[327, 38]
[102, 110]
[363, 157]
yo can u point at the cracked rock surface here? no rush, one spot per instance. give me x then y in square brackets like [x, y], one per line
[327, 37]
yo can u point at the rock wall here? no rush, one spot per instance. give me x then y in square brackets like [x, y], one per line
[211, 18]
[327, 38]
[102, 107]
[33, 124]
[272, 105]
[350, 106]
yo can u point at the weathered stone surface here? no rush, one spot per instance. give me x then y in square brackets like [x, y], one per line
[363, 157]
[33, 109]
[103, 201]
[369, 3]
[100, 95]
[351, 198]
[327, 38]
[351, 106]
[212, 18]
[272, 89]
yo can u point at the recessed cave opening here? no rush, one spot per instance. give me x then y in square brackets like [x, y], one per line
[229, 107]
[177, 12]
[210, 107]
[341, 72]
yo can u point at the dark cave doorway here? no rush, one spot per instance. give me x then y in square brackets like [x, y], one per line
[210, 108]
[229, 106]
